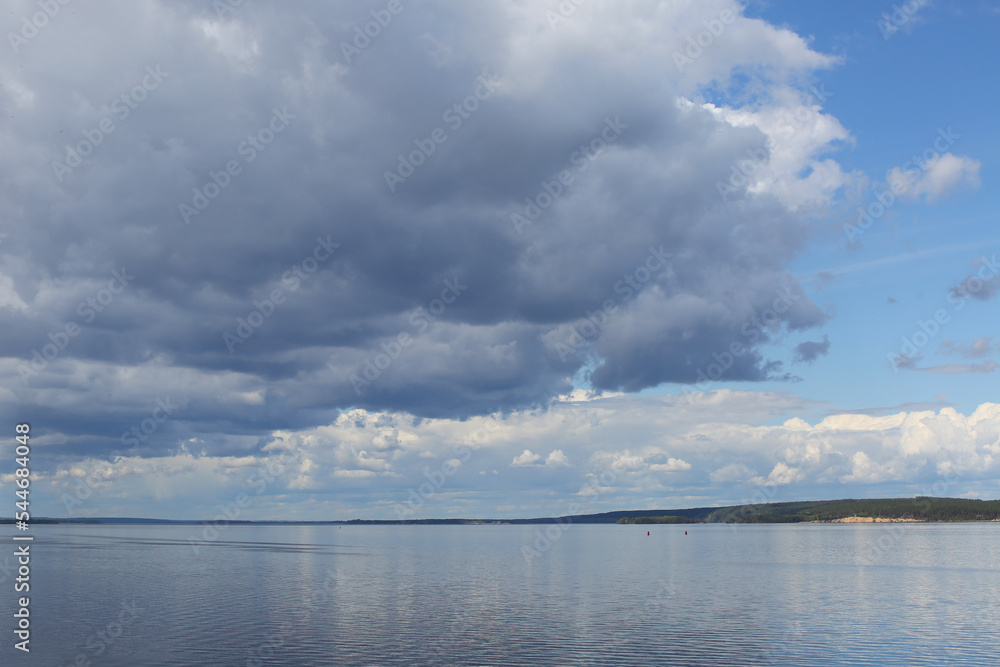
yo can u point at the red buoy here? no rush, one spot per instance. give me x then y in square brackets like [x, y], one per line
[647, 532]
[685, 532]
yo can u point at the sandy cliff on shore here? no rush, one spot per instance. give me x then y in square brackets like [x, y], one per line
[869, 519]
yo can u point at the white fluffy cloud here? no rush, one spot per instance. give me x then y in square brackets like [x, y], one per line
[937, 177]
[556, 459]
[526, 458]
[648, 451]
[797, 136]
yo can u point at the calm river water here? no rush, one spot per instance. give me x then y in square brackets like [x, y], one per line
[824, 594]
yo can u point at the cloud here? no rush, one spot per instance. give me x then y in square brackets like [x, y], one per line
[867, 471]
[526, 458]
[797, 133]
[670, 465]
[556, 459]
[809, 351]
[305, 285]
[979, 348]
[905, 362]
[642, 451]
[940, 401]
[937, 178]
[733, 472]
[782, 474]
[982, 285]
[954, 369]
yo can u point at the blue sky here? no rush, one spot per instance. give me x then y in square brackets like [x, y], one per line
[893, 95]
[419, 259]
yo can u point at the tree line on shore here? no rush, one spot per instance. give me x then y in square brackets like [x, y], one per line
[921, 508]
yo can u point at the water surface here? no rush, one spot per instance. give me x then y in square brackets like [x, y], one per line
[885, 594]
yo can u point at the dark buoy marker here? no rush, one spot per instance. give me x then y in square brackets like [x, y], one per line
[647, 532]
[685, 532]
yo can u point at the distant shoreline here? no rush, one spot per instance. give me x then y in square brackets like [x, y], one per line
[922, 509]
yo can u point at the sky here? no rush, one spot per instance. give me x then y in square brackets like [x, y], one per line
[407, 259]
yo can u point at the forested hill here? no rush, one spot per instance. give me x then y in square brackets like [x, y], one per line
[914, 509]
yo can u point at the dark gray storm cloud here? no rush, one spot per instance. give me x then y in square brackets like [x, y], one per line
[268, 215]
